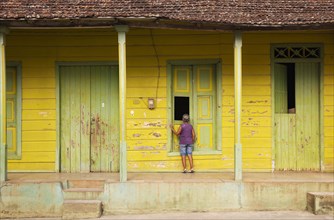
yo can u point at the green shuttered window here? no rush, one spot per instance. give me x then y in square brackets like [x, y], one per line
[13, 109]
[195, 90]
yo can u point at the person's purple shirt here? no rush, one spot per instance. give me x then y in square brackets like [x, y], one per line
[186, 134]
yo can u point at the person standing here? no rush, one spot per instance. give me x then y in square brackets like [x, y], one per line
[187, 138]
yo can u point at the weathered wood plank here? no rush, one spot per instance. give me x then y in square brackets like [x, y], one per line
[41, 157]
[148, 145]
[248, 111]
[38, 136]
[45, 114]
[65, 120]
[146, 114]
[146, 134]
[248, 121]
[85, 119]
[146, 82]
[146, 123]
[248, 132]
[40, 104]
[35, 72]
[248, 100]
[249, 90]
[39, 125]
[40, 146]
[33, 166]
[96, 121]
[141, 103]
[38, 93]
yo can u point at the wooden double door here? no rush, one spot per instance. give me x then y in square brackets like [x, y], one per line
[194, 93]
[297, 116]
[89, 115]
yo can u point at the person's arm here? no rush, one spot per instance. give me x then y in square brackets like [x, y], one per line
[178, 132]
[193, 135]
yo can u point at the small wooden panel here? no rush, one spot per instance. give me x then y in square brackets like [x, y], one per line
[204, 137]
[205, 107]
[11, 140]
[204, 79]
[182, 79]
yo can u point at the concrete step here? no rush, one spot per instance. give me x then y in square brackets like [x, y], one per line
[83, 193]
[85, 183]
[320, 202]
[82, 209]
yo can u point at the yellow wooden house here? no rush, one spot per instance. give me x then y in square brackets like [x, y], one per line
[89, 87]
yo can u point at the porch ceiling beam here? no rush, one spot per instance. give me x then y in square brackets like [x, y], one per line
[122, 30]
[3, 123]
[237, 106]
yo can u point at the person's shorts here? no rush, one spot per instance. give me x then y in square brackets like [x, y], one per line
[186, 149]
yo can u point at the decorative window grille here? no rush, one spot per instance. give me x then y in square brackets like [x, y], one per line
[297, 52]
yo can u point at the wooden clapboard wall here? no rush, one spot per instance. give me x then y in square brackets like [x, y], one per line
[39, 50]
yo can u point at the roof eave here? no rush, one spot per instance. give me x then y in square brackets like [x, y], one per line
[153, 22]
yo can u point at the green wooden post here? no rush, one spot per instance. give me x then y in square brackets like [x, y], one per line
[3, 126]
[122, 29]
[237, 106]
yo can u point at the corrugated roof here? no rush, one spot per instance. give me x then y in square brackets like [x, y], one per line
[223, 13]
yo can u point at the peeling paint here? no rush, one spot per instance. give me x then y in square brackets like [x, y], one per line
[44, 114]
[156, 134]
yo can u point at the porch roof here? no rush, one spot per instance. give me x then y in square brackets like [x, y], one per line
[188, 14]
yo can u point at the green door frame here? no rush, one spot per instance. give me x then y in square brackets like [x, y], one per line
[58, 65]
[321, 98]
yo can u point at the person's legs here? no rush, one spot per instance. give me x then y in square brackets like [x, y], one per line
[190, 158]
[183, 152]
[184, 162]
[189, 151]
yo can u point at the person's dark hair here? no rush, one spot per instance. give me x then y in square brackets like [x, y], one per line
[185, 118]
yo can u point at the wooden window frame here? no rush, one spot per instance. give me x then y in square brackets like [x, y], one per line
[218, 122]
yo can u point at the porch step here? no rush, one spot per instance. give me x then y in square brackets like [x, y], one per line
[82, 209]
[320, 202]
[83, 193]
[85, 183]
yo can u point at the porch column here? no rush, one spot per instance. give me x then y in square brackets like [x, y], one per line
[3, 116]
[122, 29]
[237, 106]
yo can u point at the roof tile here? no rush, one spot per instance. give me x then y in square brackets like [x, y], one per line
[235, 12]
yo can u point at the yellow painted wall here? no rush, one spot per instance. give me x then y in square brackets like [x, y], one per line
[38, 50]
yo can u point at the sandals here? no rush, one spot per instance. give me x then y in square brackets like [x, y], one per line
[190, 171]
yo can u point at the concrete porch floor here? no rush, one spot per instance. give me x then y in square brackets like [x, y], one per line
[176, 177]
[159, 192]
